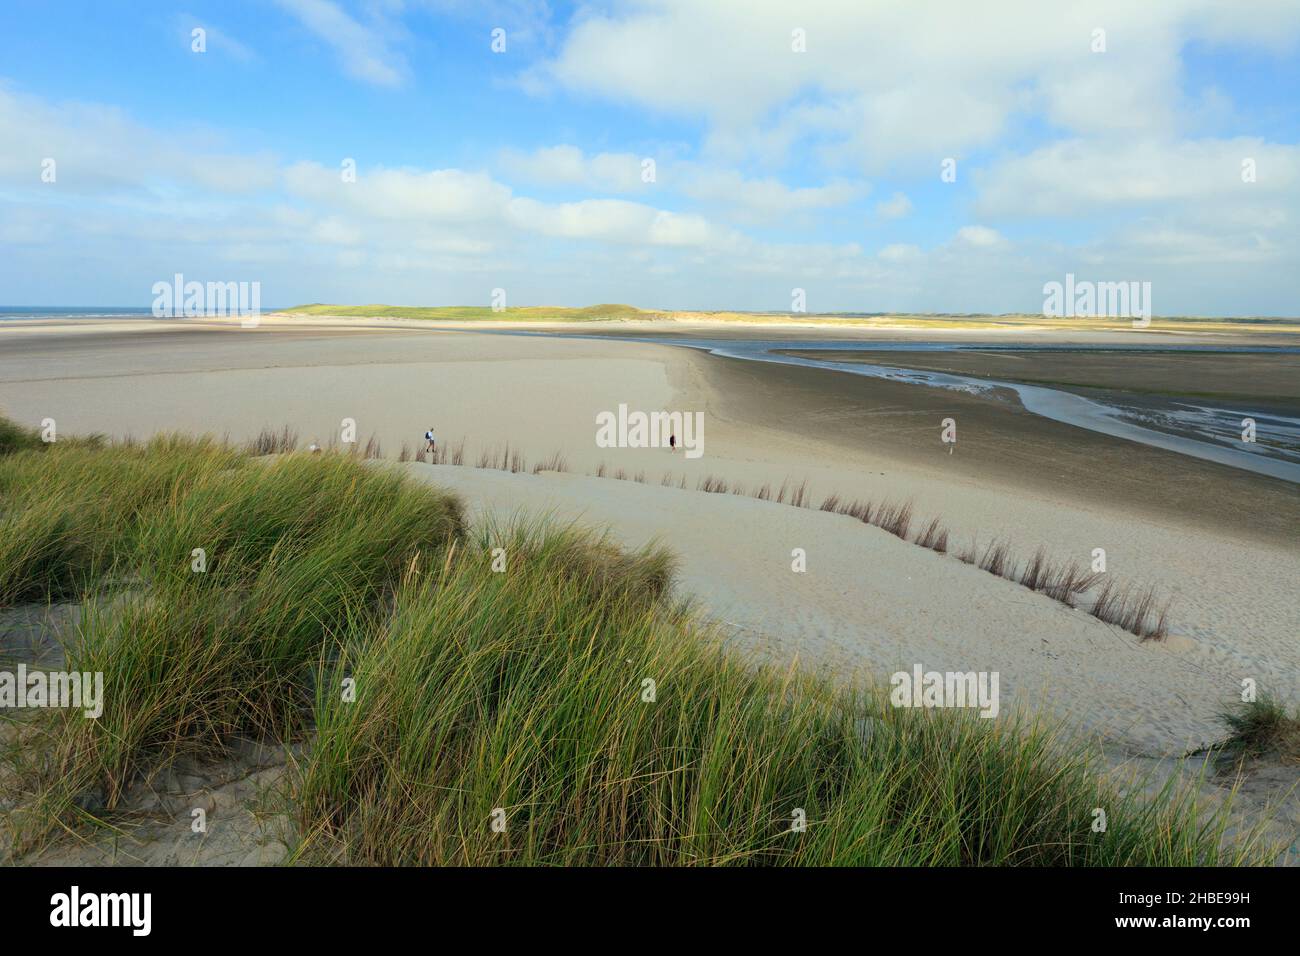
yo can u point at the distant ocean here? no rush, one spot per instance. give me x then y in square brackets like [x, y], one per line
[10, 312]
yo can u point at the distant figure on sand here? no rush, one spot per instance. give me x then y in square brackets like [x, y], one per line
[672, 442]
[313, 447]
[429, 444]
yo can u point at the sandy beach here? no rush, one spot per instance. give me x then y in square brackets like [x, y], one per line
[1216, 540]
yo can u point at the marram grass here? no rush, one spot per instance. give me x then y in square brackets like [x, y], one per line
[524, 695]
[506, 718]
[292, 551]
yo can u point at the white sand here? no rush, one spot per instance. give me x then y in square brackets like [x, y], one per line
[868, 601]
[870, 604]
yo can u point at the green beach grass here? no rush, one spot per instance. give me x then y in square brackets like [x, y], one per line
[567, 709]
[14, 437]
[614, 312]
[1263, 727]
[474, 313]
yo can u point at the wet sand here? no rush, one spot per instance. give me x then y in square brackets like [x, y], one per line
[1002, 444]
[1270, 380]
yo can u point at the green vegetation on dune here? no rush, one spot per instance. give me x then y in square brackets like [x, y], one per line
[292, 551]
[1263, 727]
[474, 313]
[523, 697]
[1032, 323]
[69, 510]
[14, 437]
[564, 697]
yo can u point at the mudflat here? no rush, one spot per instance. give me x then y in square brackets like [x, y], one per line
[1271, 379]
[1002, 445]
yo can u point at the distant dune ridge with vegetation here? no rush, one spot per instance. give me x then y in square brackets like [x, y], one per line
[565, 710]
[474, 313]
[617, 312]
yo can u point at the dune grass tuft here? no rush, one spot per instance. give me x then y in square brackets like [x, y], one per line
[996, 559]
[1062, 582]
[712, 484]
[271, 442]
[69, 512]
[502, 459]
[1263, 727]
[1134, 609]
[556, 462]
[238, 572]
[15, 437]
[934, 536]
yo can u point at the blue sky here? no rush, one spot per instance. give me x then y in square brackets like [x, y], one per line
[775, 167]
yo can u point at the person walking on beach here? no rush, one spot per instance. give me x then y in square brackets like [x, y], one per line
[430, 446]
[672, 442]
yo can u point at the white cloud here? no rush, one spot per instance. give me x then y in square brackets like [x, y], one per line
[858, 89]
[1188, 197]
[609, 220]
[895, 207]
[980, 237]
[364, 51]
[98, 147]
[566, 165]
[900, 252]
[1182, 247]
[760, 199]
[453, 196]
[439, 195]
[336, 232]
[748, 200]
[1080, 177]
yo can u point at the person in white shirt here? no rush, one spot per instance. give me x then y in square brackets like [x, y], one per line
[429, 443]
